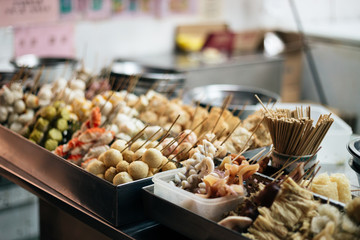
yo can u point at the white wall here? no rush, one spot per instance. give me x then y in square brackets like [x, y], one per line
[130, 36]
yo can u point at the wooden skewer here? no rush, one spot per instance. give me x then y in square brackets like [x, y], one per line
[258, 125]
[241, 153]
[242, 109]
[199, 124]
[277, 177]
[182, 140]
[225, 104]
[177, 154]
[268, 103]
[262, 104]
[150, 138]
[195, 112]
[37, 79]
[232, 131]
[162, 139]
[136, 135]
[285, 166]
[355, 190]
[312, 178]
[256, 156]
[170, 143]
[153, 87]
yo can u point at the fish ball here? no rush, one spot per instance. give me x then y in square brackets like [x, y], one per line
[183, 150]
[119, 145]
[136, 145]
[3, 114]
[122, 177]
[168, 166]
[122, 166]
[152, 157]
[127, 155]
[110, 174]
[32, 101]
[96, 167]
[19, 106]
[138, 154]
[138, 170]
[112, 157]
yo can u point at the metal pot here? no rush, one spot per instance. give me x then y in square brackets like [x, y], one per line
[214, 95]
[53, 67]
[167, 80]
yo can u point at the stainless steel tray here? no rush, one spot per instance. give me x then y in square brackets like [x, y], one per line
[118, 205]
[192, 225]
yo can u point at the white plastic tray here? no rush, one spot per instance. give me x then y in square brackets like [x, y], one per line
[210, 208]
[333, 149]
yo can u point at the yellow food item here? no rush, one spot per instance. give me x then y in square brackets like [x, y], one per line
[122, 166]
[122, 177]
[138, 170]
[336, 186]
[127, 155]
[343, 186]
[136, 145]
[329, 190]
[119, 145]
[153, 157]
[168, 166]
[112, 157]
[96, 167]
[110, 174]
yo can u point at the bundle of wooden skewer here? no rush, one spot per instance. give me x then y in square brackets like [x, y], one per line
[293, 132]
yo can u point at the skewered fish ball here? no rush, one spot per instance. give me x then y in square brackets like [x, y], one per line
[48, 113]
[152, 157]
[7, 97]
[122, 177]
[13, 118]
[119, 145]
[3, 114]
[16, 127]
[138, 154]
[168, 166]
[32, 101]
[152, 145]
[19, 106]
[37, 136]
[110, 174]
[136, 145]
[150, 174]
[62, 124]
[51, 144]
[183, 150]
[122, 166]
[55, 134]
[101, 175]
[127, 155]
[101, 157]
[138, 170]
[96, 167]
[112, 157]
[42, 124]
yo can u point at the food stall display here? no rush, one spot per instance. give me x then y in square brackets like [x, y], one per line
[117, 142]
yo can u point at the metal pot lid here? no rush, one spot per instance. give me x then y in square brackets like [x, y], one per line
[33, 61]
[354, 147]
[215, 94]
[129, 68]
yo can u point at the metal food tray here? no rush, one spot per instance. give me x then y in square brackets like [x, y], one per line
[118, 205]
[195, 226]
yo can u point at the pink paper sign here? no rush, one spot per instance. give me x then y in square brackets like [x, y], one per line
[20, 12]
[45, 41]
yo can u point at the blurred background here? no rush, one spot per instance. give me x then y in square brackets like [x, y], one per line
[257, 43]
